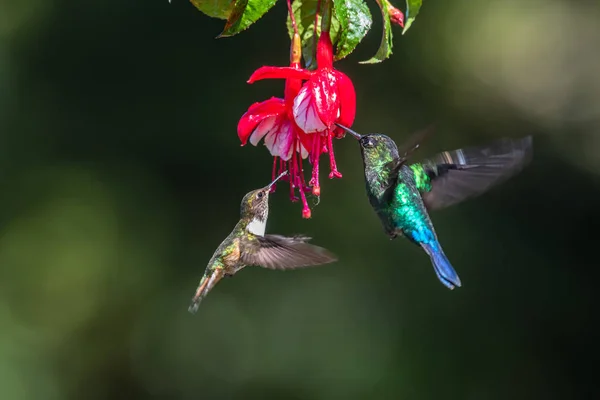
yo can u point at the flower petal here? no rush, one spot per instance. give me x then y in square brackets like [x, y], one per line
[302, 150]
[256, 113]
[280, 140]
[305, 113]
[265, 126]
[279, 73]
[347, 103]
[325, 93]
[285, 141]
[270, 142]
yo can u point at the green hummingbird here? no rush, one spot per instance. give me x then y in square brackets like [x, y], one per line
[402, 194]
[248, 244]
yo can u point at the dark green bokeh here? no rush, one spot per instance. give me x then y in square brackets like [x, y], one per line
[122, 171]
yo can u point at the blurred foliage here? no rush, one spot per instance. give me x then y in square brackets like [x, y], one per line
[122, 171]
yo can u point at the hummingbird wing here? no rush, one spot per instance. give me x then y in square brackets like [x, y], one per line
[414, 142]
[281, 252]
[459, 174]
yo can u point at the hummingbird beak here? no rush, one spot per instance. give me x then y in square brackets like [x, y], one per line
[350, 131]
[276, 179]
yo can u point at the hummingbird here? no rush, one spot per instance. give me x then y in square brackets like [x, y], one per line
[402, 194]
[248, 244]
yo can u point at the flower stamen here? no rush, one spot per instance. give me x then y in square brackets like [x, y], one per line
[332, 164]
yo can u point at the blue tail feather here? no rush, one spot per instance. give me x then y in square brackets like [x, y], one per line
[443, 269]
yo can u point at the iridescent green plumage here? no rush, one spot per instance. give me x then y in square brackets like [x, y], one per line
[422, 180]
[402, 194]
[407, 208]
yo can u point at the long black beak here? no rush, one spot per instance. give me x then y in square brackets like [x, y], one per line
[276, 179]
[350, 131]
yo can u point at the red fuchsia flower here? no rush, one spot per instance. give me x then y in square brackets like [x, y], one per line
[272, 120]
[327, 97]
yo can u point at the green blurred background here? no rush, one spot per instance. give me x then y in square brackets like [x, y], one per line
[121, 172]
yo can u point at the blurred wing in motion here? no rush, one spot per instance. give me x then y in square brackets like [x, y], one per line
[281, 252]
[459, 174]
[414, 142]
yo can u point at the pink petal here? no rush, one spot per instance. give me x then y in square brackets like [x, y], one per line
[285, 141]
[264, 127]
[256, 113]
[280, 140]
[270, 142]
[305, 113]
[278, 73]
[302, 150]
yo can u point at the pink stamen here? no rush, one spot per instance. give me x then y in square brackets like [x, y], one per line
[292, 168]
[332, 164]
[306, 213]
[314, 181]
[274, 168]
[304, 186]
[281, 169]
[273, 174]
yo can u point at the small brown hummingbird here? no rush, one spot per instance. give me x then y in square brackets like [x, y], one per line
[247, 244]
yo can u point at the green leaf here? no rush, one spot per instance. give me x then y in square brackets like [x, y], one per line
[412, 9]
[214, 8]
[385, 48]
[244, 14]
[355, 21]
[304, 14]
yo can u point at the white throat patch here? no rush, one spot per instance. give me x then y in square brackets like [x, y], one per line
[257, 227]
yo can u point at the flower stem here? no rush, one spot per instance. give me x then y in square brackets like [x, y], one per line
[296, 47]
[326, 16]
[292, 17]
[317, 13]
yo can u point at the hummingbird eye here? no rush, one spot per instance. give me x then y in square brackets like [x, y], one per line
[260, 194]
[368, 142]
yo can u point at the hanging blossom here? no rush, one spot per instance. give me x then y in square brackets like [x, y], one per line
[273, 121]
[327, 97]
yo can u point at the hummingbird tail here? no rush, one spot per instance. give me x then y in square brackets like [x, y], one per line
[208, 281]
[443, 269]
